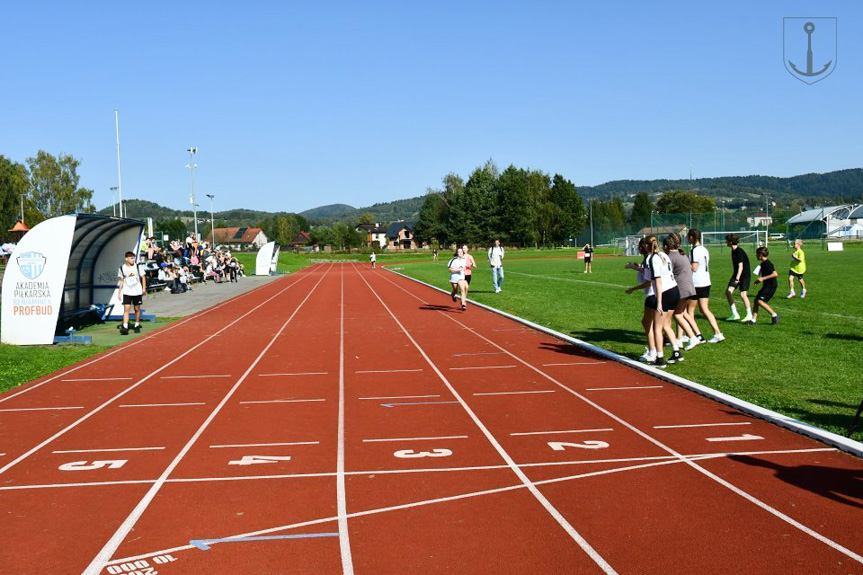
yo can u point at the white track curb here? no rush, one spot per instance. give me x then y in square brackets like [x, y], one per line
[843, 443]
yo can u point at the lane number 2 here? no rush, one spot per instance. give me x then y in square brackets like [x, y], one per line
[411, 454]
[85, 466]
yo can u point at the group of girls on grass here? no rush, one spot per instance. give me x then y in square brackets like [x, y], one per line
[674, 285]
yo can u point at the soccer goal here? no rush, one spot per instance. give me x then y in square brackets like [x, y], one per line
[752, 238]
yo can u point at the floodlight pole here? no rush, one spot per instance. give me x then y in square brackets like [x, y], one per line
[114, 201]
[212, 224]
[192, 165]
[119, 179]
[767, 219]
[591, 222]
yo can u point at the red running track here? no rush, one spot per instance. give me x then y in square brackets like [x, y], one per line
[347, 420]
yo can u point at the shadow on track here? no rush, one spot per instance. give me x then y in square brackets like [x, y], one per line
[841, 485]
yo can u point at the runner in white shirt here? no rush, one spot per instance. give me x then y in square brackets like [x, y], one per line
[456, 267]
[645, 282]
[132, 285]
[700, 258]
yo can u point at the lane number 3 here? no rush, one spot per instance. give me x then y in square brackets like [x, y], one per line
[411, 454]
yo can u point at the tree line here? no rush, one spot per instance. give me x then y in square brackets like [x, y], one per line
[43, 187]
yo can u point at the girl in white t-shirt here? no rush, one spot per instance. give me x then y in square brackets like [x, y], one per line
[456, 267]
[700, 260]
[667, 297]
[645, 282]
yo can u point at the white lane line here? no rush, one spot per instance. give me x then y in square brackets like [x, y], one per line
[191, 376]
[282, 401]
[418, 470]
[574, 363]
[389, 371]
[619, 388]
[97, 565]
[109, 450]
[478, 353]
[563, 431]
[39, 409]
[415, 438]
[700, 425]
[160, 404]
[483, 367]
[292, 374]
[733, 488]
[341, 491]
[99, 379]
[523, 478]
[516, 392]
[400, 397]
[264, 444]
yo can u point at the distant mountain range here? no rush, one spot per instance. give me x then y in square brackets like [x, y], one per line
[808, 189]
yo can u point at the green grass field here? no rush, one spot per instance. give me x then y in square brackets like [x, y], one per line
[805, 367]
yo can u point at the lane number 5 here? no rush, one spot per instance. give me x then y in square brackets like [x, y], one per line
[85, 466]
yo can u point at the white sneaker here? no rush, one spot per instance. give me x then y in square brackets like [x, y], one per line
[496, 290]
[747, 318]
[692, 343]
[683, 339]
[647, 357]
[716, 338]
[733, 317]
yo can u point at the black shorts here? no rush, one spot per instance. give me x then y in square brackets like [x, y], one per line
[587, 259]
[795, 274]
[743, 285]
[670, 299]
[650, 302]
[467, 278]
[132, 299]
[765, 294]
[702, 292]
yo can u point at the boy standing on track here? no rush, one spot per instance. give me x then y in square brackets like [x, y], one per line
[132, 285]
[495, 258]
[740, 278]
[767, 277]
[798, 268]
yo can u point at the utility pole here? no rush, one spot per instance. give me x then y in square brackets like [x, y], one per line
[212, 225]
[192, 165]
[119, 179]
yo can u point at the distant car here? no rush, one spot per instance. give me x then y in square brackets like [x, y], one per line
[777, 236]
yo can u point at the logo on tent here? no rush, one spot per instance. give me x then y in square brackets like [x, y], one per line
[31, 264]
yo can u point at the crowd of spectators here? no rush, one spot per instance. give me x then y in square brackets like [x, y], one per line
[177, 265]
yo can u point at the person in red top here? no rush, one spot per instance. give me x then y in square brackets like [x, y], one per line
[469, 264]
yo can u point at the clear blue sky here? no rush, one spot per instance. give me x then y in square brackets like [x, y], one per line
[295, 105]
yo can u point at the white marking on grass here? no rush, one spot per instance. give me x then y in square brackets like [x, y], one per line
[415, 438]
[111, 449]
[699, 425]
[515, 392]
[39, 409]
[563, 431]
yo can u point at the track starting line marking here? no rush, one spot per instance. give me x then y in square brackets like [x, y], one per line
[619, 388]
[39, 409]
[563, 431]
[401, 397]
[700, 425]
[204, 544]
[415, 438]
